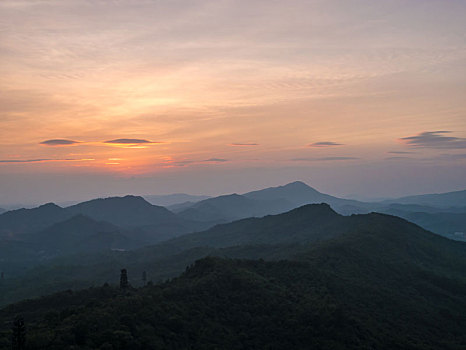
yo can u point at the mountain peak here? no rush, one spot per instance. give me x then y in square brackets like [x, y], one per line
[126, 200]
[124, 211]
[49, 206]
[322, 210]
[296, 191]
[297, 185]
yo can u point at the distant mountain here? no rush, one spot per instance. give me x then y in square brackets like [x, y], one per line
[452, 225]
[443, 200]
[178, 207]
[280, 199]
[152, 223]
[80, 234]
[383, 284]
[96, 225]
[309, 223]
[394, 208]
[232, 207]
[298, 193]
[23, 221]
[272, 237]
[449, 222]
[268, 201]
[172, 199]
[2, 210]
[128, 211]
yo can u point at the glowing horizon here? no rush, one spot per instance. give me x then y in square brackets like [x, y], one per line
[185, 92]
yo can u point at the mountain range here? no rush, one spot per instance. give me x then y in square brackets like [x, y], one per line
[272, 200]
[172, 199]
[30, 235]
[441, 213]
[348, 282]
[442, 200]
[272, 237]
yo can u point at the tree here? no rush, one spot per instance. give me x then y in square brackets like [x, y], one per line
[18, 341]
[123, 279]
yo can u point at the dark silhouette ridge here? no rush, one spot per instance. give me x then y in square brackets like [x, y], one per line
[124, 211]
[81, 234]
[22, 221]
[273, 200]
[384, 283]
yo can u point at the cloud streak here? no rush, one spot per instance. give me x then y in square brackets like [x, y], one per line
[399, 158]
[323, 159]
[244, 144]
[400, 152]
[325, 144]
[435, 139]
[59, 142]
[189, 162]
[130, 141]
[216, 160]
[41, 160]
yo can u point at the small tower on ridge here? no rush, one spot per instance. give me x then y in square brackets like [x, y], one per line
[123, 279]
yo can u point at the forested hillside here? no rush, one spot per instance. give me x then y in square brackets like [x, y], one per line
[383, 288]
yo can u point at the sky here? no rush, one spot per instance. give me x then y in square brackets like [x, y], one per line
[357, 98]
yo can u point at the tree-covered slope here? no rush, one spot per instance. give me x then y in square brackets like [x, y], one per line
[271, 237]
[21, 221]
[446, 224]
[386, 288]
[124, 211]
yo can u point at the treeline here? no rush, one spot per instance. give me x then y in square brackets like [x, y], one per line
[237, 304]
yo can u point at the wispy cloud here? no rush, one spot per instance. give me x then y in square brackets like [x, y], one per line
[454, 156]
[59, 142]
[41, 160]
[435, 139]
[129, 141]
[437, 158]
[216, 160]
[398, 158]
[323, 159]
[191, 161]
[325, 144]
[244, 144]
[181, 163]
[400, 152]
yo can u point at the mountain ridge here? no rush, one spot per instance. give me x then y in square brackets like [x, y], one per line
[444, 200]
[390, 286]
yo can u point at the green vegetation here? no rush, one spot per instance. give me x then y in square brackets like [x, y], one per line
[390, 285]
[283, 236]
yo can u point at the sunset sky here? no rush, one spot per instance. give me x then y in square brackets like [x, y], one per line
[354, 97]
